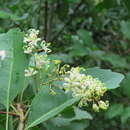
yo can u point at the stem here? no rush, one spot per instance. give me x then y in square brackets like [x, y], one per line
[46, 19]
[51, 11]
[22, 117]
[21, 126]
[7, 119]
[14, 109]
[39, 11]
[9, 113]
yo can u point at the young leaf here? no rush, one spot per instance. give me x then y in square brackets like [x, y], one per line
[46, 105]
[111, 79]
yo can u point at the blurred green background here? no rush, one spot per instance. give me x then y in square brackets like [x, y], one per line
[84, 33]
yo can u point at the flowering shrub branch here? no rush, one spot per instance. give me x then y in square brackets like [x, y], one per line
[85, 86]
[25, 64]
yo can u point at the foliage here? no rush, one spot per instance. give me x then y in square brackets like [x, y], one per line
[89, 34]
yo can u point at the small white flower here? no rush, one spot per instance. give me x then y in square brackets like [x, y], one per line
[28, 50]
[30, 72]
[2, 54]
[45, 46]
[95, 107]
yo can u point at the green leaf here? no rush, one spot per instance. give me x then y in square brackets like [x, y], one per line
[109, 3]
[62, 10]
[127, 4]
[125, 28]
[63, 57]
[116, 60]
[2, 127]
[12, 67]
[11, 123]
[6, 15]
[125, 85]
[125, 115]
[75, 125]
[114, 110]
[45, 105]
[111, 79]
[73, 1]
[86, 36]
[79, 115]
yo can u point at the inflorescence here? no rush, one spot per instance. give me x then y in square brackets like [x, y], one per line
[32, 46]
[87, 87]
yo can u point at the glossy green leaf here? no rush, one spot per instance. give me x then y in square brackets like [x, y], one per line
[12, 66]
[45, 105]
[111, 79]
[79, 115]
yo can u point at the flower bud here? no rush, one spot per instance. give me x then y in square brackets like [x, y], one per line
[103, 105]
[57, 62]
[95, 107]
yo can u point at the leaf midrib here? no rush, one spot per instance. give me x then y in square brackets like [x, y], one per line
[8, 89]
[53, 110]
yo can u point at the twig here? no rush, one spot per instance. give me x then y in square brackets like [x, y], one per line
[39, 12]
[46, 19]
[51, 11]
[68, 21]
[10, 113]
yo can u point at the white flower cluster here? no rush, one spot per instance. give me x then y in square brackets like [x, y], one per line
[41, 60]
[33, 43]
[88, 88]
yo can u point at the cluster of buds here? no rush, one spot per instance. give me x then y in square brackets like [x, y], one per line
[85, 86]
[34, 44]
